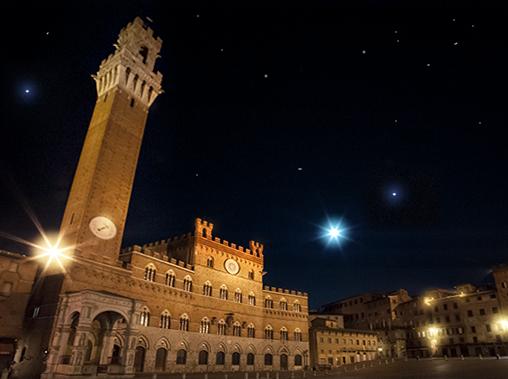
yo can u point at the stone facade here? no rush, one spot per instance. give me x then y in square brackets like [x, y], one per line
[467, 320]
[17, 276]
[184, 304]
[331, 345]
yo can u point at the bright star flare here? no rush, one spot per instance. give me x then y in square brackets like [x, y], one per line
[335, 233]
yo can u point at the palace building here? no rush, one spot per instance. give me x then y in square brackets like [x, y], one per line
[185, 304]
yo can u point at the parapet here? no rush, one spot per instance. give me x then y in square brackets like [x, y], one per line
[285, 291]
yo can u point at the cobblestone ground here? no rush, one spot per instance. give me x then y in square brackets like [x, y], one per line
[422, 369]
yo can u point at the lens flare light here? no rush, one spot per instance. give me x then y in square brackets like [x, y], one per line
[335, 233]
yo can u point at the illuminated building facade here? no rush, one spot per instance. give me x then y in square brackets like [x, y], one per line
[185, 304]
[332, 345]
[465, 321]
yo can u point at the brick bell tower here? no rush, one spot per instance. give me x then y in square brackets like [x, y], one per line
[127, 85]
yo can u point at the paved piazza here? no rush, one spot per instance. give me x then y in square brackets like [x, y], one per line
[423, 369]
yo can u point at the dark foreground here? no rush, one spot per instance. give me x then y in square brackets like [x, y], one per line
[412, 369]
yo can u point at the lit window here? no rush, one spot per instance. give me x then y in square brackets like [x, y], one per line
[237, 329]
[298, 335]
[204, 325]
[283, 334]
[221, 328]
[252, 299]
[207, 289]
[209, 262]
[238, 295]
[268, 302]
[187, 284]
[283, 304]
[297, 306]
[251, 331]
[144, 318]
[269, 332]
[184, 322]
[170, 278]
[165, 320]
[150, 273]
[223, 292]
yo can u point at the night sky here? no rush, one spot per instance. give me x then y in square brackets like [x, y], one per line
[276, 119]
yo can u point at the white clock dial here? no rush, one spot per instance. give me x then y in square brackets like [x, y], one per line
[232, 266]
[103, 227]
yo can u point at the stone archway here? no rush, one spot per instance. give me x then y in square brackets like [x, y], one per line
[104, 327]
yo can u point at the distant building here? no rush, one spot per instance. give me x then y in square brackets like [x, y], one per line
[465, 321]
[374, 311]
[454, 323]
[332, 345]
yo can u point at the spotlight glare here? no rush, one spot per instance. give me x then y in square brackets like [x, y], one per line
[335, 233]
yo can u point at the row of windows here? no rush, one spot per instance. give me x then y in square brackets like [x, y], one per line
[220, 358]
[170, 280]
[205, 326]
[351, 341]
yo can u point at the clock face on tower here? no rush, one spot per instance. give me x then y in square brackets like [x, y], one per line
[103, 227]
[232, 266]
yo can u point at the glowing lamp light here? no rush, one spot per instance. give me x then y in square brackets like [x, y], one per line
[394, 194]
[432, 331]
[503, 324]
[428, 300]
[52, 253]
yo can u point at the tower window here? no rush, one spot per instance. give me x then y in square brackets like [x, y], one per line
[144, 53]
[132, 103]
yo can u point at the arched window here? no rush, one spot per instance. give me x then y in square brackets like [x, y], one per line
[269, 332]
[223, 292]
[187, 284]
[283, 334]
[181, 357]
[250, 359]
[203, 357]
[150, 273]
[238, 295]
[268, 359]
[251, 331]
[251, 274]
[204, 325]
[252, 298]
[127, 73]
[184, 322]
[144, 318]
[298, 360]
[160, 359]
[283, 304]
[237, 329]
[297, 335]
[235, 359]
[297, 307]
[268, 302]
[207, 288]
[144, 53]
[221, 328]
[165, 320]
[209, 262]
[170, 278]
[220, 358]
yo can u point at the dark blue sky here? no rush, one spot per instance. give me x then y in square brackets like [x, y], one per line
[358, 124]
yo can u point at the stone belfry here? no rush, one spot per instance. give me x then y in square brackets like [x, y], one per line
[127, 85]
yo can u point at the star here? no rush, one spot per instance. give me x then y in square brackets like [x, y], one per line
[395, 31]
[396, 121]
[266, 76]
[364, 52]
[479, 123]
[472, 25]
[47, 33]
[300, 169]
[197, 15]
[27, 91]
[197, 174]
[394, 194]
[221, 50]
[453, 19]
[397, 40]
[455, 44]
[428, 64]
